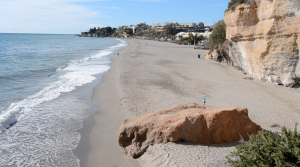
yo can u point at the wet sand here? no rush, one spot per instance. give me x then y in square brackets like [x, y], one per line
[105, 150]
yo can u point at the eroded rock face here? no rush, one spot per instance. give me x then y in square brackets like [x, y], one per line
[263, 40]
[187, 122]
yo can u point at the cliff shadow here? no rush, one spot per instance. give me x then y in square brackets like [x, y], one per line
[297, 86]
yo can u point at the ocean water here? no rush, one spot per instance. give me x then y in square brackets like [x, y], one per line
[40, 110]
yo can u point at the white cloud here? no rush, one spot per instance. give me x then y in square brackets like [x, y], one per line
[50, 16]
[55, 15]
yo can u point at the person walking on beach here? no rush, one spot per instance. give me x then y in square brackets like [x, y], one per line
[204, 100]
[198, 56]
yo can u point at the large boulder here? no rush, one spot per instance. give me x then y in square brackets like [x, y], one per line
[189, 123]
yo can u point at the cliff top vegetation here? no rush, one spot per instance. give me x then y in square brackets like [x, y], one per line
[234, 3]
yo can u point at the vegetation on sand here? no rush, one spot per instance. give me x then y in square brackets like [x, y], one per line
[268, 149]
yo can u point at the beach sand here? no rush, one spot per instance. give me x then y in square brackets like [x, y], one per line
[149, 75]
[104, 148]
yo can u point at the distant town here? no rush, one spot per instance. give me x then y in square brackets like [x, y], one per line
[186, 33]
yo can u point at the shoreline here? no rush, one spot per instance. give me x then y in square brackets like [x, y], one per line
[84, 147]
[56, 102]
[103, 136]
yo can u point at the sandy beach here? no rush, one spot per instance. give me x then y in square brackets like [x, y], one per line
[149, 75]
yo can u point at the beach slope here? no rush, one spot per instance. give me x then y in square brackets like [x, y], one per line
[150, 75]
[105, 150]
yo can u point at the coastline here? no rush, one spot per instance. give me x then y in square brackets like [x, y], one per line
[103, 136]
[55, 100]
[149, 75]
[84, 146]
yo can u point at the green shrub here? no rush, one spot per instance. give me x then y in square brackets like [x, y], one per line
[218, 36]
[234, 3]
[268, 149]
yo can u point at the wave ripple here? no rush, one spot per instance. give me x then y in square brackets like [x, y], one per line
[47, 135]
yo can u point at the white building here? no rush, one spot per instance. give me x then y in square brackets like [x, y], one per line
[191, 24]
[123, 27]
[186, 34]
[154, 25]
[168, 23]
[133, 28]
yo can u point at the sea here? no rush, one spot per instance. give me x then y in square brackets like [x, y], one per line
[42, 100]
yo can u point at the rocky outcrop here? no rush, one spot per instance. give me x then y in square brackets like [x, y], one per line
[189, 122]
[263, 40]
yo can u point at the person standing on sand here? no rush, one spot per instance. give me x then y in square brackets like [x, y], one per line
[204, 100]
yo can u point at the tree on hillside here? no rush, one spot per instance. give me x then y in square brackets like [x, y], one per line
[201, 25]
[218, 36]
[170, 30]
[129, 31]
[93, 30]
[105, 31]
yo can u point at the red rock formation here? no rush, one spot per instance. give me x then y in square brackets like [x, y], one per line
[189, 123]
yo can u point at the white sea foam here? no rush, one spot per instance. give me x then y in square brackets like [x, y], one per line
[47, 135]
[124, 43]
[77, 73]
[103, 53]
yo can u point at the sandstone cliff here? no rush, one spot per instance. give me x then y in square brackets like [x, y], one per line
[262, 40]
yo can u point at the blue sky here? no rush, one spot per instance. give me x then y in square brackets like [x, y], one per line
[74, 16]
